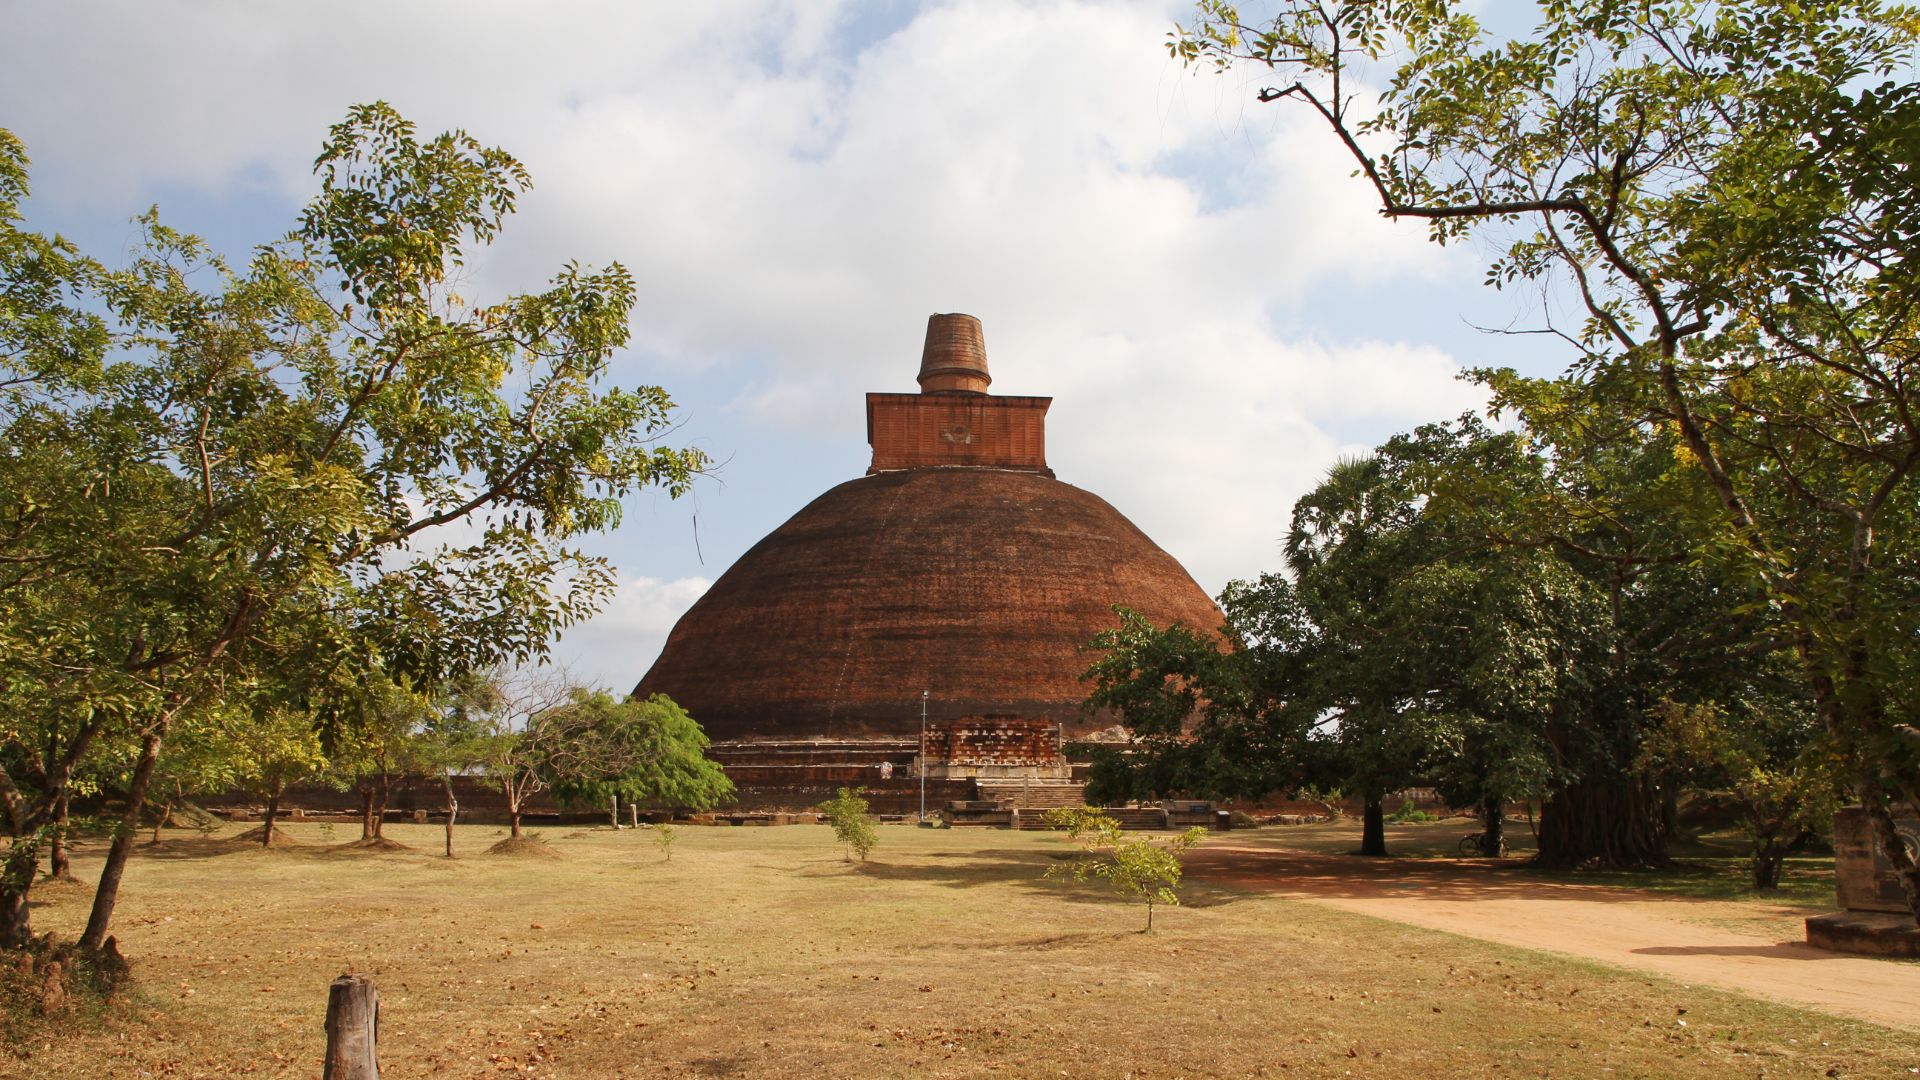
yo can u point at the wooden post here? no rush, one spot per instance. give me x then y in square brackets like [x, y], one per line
[633, 814]
[353, 1029]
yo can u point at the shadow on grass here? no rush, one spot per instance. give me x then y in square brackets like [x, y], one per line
[1707, 866]
[1322, 874]
[214, 847]
[1021, 868]
[1785, 950]
[1357, 877]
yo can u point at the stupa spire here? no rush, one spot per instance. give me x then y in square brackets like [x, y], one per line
[954, 360]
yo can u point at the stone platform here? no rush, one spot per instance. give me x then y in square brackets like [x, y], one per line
[1872, 933]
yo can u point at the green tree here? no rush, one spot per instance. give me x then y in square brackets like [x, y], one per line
[1772, 765]
[1355, 543]
[1725, 191]
[526, 736]
[1169, 687]
[273, 746]
[374, 730]
[197, 760]
[847, 813]
[452, 740]
[1144, 870]
[265, 461]
[643, 751]
[1450, 620]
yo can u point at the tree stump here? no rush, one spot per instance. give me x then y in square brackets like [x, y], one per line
[353, 1029]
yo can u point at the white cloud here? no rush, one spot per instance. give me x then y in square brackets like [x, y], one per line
[1205, 439]
[616, 647]
[1190, 275]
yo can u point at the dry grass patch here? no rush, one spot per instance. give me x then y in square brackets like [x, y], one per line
[760, 952]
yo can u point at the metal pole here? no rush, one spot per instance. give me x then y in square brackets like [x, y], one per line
[923, 757]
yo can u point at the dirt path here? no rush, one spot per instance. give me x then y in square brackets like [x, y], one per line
[1753, 949]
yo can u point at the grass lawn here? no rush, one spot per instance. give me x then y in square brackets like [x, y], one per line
[760, 952]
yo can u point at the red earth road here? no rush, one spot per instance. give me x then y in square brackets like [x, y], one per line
[1754, 949]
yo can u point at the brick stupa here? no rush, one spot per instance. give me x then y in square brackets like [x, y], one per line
[957, 565]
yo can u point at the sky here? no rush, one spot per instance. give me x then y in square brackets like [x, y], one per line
[1209, 296]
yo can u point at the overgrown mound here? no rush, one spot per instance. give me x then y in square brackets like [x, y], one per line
[181, 815]
[46, 980]
[253, 836]
[524, 846]
[69, 884]
[373, 843]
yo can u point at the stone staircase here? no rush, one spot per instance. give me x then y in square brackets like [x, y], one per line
[1130, 818]
[1033, 794]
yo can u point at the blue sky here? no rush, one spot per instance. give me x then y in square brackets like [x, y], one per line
[1195, 278]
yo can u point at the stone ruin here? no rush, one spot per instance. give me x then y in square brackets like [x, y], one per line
[1875, 919]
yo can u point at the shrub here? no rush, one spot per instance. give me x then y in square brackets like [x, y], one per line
[1410, 814]
[847, 813]
[1142, 870]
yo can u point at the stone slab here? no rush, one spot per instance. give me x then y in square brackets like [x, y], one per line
[1872, 933]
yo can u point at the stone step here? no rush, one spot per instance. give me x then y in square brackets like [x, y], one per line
[1034, 795]
[1130, 818]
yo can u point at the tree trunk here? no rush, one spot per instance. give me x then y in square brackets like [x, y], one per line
[513, 820]
[385, 790]
[453, 811]
[1768, 862]
[1373, 827]
[273, 812]
[1493, 822]
[16, 879]
[59, 865]
[614, 811]
[161, 819]
[108, 894]
[1614, 822]
[353, 1030]
[366, 810]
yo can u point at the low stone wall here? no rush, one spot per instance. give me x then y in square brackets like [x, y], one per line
[898, 796]
[783, 753]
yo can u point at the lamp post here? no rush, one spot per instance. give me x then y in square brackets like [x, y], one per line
[923, 757]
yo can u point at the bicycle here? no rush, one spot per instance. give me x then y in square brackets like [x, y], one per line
[1469, 846]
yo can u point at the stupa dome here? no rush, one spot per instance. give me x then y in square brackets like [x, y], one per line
[957, 566]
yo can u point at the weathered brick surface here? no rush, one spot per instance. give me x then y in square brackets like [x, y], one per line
[982, 586]
[895, 796]
[954, 358]
[995, 745]
[916, 431]
[786, 752]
